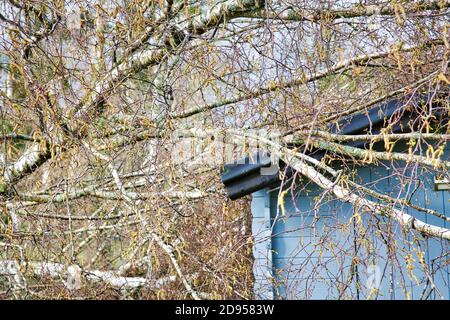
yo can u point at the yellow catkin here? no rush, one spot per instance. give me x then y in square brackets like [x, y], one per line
[281, 204]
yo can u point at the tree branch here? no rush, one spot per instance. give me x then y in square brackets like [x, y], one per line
[284, 85]
[355, 11]
[296, 161]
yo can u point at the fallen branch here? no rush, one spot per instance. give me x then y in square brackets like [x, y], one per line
[297, 161]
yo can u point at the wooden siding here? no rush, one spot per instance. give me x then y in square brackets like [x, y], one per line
[308, 253]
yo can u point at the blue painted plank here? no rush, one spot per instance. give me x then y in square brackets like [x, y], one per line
[296, 243]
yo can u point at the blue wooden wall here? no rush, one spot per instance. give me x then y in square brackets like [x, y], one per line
[312, 253]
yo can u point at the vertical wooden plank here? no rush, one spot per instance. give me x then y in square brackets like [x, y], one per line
[262, 249]
[437, 248]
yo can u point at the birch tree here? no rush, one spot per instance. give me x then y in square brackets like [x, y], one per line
[110, 180]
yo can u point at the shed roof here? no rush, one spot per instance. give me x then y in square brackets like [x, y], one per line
[244, 176]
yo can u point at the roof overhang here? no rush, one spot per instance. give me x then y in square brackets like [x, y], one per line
[250, 174]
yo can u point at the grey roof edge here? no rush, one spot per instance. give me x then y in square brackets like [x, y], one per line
[244, 177]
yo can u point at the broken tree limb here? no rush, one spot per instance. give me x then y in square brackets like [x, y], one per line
[293, 159]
